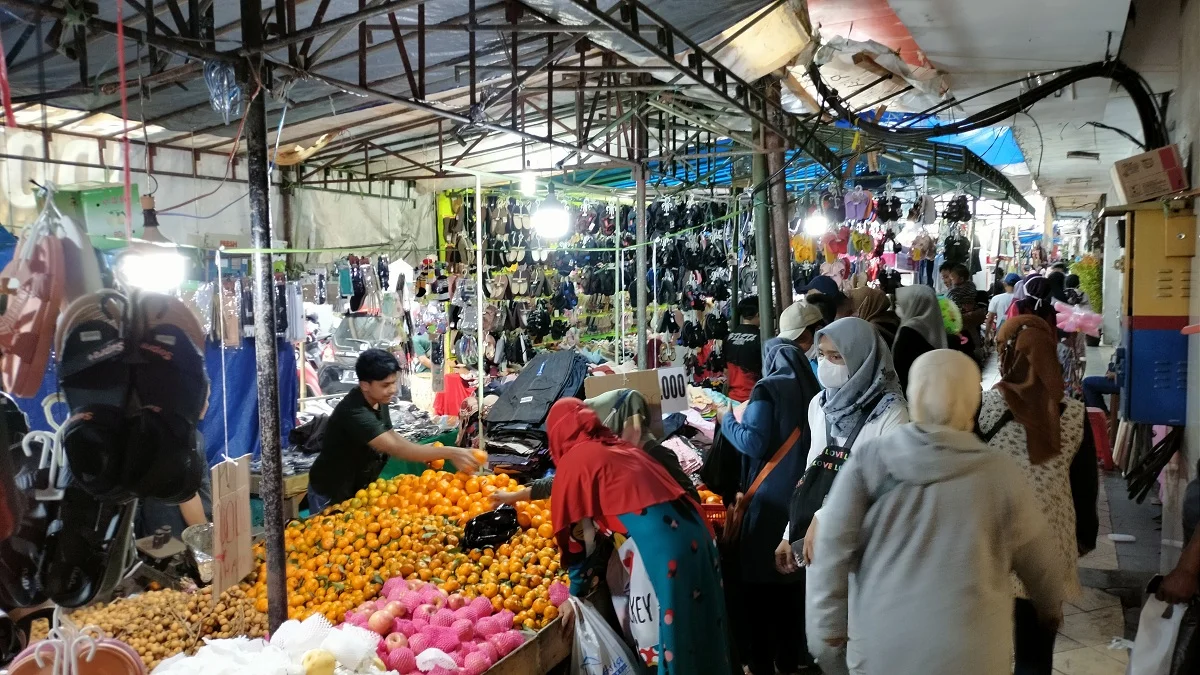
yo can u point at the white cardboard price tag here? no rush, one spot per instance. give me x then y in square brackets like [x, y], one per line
[673, 384]
[232, 555]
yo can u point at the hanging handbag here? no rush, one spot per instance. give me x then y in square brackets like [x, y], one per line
[733, 528]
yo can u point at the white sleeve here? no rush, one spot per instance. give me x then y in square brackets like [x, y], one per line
[994, 305]
[816, 429]
[787, 530]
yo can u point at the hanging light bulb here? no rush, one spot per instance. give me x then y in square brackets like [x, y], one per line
[528, 183]
[550, 220]
[816, 224]
[153, 264]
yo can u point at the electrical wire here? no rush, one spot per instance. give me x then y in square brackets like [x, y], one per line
[1133, 139]
[237, 139]
[270, 169]
[1041, 145]
[1148, 107]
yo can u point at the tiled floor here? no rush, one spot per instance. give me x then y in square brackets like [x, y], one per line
[1093, 620]
[1088, 628]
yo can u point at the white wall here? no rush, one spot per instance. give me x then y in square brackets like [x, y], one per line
[321, 218]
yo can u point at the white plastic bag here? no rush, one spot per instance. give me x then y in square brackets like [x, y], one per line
[641, 612]
[1155, 643]
[598, 649]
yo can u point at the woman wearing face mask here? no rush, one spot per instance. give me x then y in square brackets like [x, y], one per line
[1027, 417]
[921, 328]
[919, 537]
[862, 400]
[771, 438]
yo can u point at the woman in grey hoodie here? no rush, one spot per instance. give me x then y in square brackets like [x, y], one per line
[929, 523]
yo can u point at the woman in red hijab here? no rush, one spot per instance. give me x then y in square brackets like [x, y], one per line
[610, 494]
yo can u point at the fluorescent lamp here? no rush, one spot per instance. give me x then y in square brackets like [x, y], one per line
[816, 224]
[528, 184]
[550, 219]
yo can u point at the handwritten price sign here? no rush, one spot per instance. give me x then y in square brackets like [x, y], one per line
[232, 559]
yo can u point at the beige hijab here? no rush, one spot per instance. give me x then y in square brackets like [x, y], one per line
[944, 388]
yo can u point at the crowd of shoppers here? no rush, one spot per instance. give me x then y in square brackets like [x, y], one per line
[885, 513]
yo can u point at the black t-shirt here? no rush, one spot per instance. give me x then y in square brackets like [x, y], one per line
[346, 463]
[743, 353]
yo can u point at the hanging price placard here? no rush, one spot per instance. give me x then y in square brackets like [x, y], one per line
[673, 383]
[232, 557]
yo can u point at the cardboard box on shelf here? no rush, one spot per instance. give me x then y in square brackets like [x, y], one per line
[645, 382]
[1149, 175]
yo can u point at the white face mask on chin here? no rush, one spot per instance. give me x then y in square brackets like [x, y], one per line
[832, 375]
[813, 352]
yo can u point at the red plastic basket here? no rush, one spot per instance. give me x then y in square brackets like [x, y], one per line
[714, 514]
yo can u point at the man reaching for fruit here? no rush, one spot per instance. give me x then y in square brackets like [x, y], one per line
[359, 438]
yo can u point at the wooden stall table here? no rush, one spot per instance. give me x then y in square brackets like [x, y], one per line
[294, 489]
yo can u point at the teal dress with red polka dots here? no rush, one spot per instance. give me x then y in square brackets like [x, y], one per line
[681, 561]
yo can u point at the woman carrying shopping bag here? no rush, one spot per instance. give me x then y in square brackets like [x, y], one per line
[608, 493]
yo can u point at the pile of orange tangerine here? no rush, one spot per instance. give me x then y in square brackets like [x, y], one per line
[411, 526]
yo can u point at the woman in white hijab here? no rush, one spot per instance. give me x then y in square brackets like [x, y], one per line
[928, 522]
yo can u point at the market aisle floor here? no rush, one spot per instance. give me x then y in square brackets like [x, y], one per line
[1092, 621]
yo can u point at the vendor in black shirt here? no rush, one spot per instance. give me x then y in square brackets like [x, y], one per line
[743, 351]
[359, 438]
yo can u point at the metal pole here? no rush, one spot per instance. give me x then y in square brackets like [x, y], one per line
[762, 242]
[265, 357]
[736, 251]
[479, 299]
[640, 178]
[620, 295]
[781, 243]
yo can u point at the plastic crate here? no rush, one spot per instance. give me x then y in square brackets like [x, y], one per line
[714, 514]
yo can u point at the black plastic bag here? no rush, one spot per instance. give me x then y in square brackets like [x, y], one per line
[1186, 658]
[490, 529]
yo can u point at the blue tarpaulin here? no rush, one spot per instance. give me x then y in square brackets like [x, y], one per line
[995, 145]
[241, 372]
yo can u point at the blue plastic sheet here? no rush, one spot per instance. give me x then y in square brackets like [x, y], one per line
[241, 373]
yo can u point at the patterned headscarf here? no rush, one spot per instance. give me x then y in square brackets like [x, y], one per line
[1032, 382]
[871, 374]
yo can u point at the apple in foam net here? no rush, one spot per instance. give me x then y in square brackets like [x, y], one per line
[395, 641]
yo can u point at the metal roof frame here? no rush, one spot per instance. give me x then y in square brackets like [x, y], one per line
[612, 97]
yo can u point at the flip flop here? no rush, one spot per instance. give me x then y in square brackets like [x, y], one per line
[161, 461]
[35, 279]
[87, 548]
[94, 439]
[21, 554]
[91, 347]
[500, 220]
